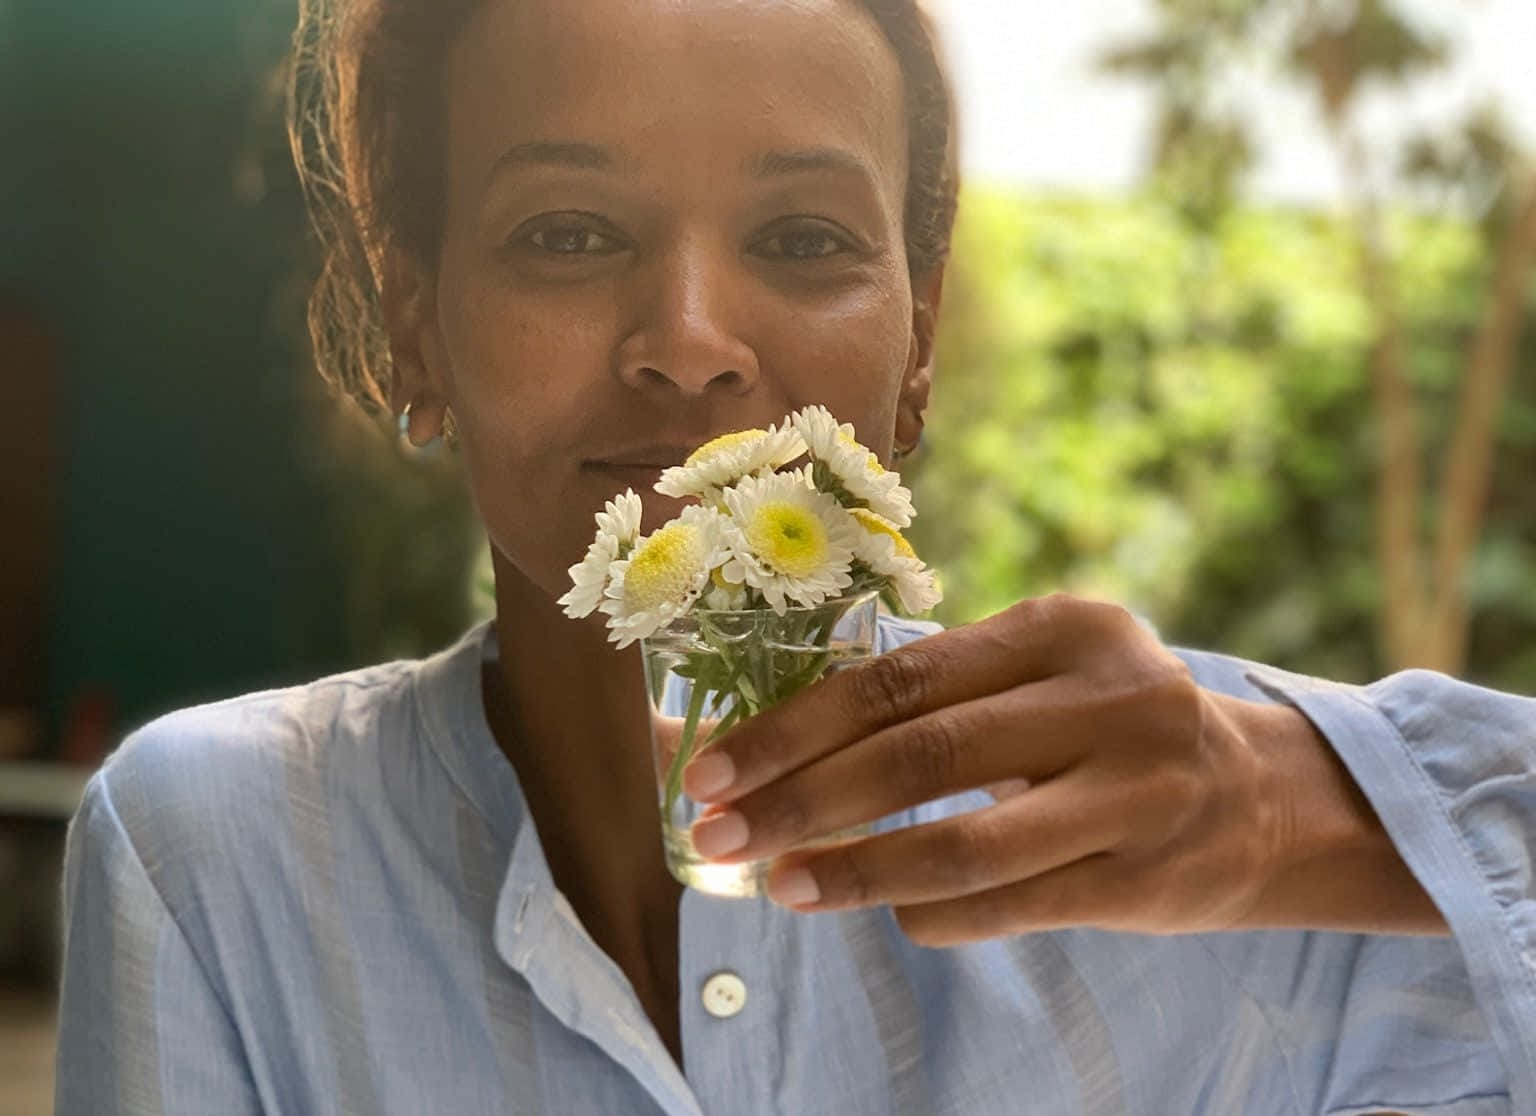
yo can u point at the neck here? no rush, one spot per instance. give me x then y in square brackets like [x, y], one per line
[570, 713]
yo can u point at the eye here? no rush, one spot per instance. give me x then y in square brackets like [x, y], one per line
[803, 244]
[570, 239]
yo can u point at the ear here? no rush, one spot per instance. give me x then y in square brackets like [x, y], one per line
[408, 301]
[917, 382]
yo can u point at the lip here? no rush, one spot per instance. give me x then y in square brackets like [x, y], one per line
[630, 466]
[647, 472]
[653, 456]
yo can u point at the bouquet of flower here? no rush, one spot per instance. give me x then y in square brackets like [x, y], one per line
[761, 537]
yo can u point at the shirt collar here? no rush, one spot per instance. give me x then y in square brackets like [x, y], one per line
[450, 702]
[536, 932]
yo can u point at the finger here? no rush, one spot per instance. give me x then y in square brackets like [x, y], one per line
[1096, 891]
[1031, 732]
[1027, 642]
[1024, 836]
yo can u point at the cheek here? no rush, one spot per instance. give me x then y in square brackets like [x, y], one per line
[850, 357]
[522, 376]
[519, 370]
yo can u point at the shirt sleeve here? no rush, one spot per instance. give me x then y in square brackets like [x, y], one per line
[1450, 769]
[141, 1028]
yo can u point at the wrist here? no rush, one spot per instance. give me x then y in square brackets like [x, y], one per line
[1333, 865]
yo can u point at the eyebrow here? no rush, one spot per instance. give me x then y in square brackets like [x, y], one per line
[545, 153]
[773, 164]
[591, 157]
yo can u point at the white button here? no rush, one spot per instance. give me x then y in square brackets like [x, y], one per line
[724, 994]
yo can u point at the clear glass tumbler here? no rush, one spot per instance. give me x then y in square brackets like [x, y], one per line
[708, 671]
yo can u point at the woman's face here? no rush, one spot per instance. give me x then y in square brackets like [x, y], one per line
[664, 219]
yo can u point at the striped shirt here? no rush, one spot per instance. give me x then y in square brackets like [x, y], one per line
[332, 899]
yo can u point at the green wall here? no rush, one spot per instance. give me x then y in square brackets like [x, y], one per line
[192, 556]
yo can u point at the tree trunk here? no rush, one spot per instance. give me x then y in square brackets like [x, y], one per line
[1470, 456]
[1399, 476]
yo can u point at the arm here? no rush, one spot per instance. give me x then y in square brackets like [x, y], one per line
[1172, 797]
[141, 1028]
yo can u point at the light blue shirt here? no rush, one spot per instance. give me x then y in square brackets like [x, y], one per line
[331, 899]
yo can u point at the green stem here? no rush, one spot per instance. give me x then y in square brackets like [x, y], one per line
[732, 715]
[685, 746]
[759, 668]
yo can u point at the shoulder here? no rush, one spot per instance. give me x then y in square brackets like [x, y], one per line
[208, 795]
[216, 750]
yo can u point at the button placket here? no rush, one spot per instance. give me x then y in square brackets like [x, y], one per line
[730, 1013]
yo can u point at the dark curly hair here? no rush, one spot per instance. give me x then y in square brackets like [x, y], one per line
[364, 122]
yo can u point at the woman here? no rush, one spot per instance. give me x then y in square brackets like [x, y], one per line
[585, 237]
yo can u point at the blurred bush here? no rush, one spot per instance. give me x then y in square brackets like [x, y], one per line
[1181, 420]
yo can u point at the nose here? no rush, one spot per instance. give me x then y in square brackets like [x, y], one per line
[686, 339]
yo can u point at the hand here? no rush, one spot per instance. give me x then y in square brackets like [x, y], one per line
[1150, 805]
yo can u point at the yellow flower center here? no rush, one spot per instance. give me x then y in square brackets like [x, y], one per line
[788, 537]
[850, 441]
[663, 568]
[876, 525]
[724, 442]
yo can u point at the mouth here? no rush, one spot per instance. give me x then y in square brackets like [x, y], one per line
[640, 477]
[640, 466]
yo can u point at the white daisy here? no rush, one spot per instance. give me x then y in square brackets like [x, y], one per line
[725, 596]
[848, 470]
[724, 460]
[887, 553]
[663, 576]
[618, 526]
[791, 543]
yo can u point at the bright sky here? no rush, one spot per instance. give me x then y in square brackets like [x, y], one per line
[1035, 113]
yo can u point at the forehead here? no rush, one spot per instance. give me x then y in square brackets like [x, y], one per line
[663, 80]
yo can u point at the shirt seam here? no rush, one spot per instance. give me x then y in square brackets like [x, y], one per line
[1366, 1105]
[1468, 852]
[239, 701]
[424, 725]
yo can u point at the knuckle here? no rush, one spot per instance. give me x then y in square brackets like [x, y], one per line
[1104, 618]
[848, 876]
[889, 684]
[1178, 696]
[962, 854]
[790, 815]
[931, 749]
[1049, 609]
[1082, 618]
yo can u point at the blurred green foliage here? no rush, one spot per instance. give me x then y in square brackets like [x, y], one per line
[1182, 422]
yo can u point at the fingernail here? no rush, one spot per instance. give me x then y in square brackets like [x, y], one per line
[794, 888]
[719, 835]
[708, 775]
